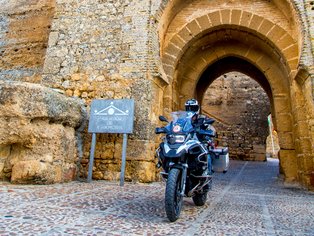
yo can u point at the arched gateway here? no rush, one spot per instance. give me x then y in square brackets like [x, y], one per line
[202, 40]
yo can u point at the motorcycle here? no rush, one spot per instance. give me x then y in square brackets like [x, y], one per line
[184, 157]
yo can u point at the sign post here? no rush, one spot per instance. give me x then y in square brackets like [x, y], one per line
[91, 158]
[124, 145]
[110, 116]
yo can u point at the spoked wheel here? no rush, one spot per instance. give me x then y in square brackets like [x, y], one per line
[173, 198]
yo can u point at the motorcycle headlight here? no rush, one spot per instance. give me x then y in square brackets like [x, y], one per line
[172, 139]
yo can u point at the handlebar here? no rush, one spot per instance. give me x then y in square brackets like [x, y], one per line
[160, 130]
[206, 132]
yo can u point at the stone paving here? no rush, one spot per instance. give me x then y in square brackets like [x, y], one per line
[248, 200]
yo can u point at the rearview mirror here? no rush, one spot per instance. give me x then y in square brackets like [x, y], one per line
[209, 121]
[162, 118]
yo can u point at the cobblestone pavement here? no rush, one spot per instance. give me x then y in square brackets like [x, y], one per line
[248, 200]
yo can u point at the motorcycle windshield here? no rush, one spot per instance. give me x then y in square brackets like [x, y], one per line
[181, 121]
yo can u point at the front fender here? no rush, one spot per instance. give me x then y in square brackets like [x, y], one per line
[172, 153]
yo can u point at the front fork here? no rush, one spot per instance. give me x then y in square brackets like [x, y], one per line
[184, 170]
[183, 178]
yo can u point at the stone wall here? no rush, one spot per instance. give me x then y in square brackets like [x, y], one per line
[107, 60]
[240, 107]
[38, 143]
[39, 128]
[24, 32]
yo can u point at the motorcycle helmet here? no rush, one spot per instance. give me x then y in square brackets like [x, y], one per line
[192, 105]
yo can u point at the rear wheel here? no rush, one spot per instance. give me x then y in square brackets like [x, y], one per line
[173, 198]
[199, 199]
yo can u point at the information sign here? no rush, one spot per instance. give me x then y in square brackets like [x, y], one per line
[111, 116]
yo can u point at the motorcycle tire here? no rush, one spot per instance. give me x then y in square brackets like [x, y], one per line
[173, 198]
[199, 199]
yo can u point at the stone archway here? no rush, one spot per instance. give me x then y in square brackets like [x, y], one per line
[240, 107]
[203, 36]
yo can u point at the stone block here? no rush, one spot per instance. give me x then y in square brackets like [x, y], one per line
[187, 87]
[2, 176]
[302, 129]
[282, 104]
[141, 171]
[37, 133]
[253, 55]
[304, 145]
[5, 151]
[25, 172]
[288, 164]
[261, 149]
[284, 122]
[264, 63]
[68, 173]
[172, 49]
[178, 42]
[52, 65]
[276, 33]
[265, 27]
[286, 140]
[285, 41]
[291, 52]
[111, 175]
[225, 16]
[169, 69]
[185, 34]
[98, 175]
[137, 150]
[308, 163]
[204, 22]
[245, 18]
[255, 22]
[193, 27]
[235, 16]
[215, 18]
[293, 64]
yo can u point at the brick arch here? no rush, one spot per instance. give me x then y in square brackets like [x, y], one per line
[262, 28]
[262, 65]
[190, 82]
[288, 9]
[195, 61]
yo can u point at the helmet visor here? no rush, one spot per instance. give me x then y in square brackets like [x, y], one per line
[191, 108]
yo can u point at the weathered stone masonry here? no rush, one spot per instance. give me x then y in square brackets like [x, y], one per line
[157, 52]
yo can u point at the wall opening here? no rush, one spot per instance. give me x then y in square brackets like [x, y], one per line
[240, 106]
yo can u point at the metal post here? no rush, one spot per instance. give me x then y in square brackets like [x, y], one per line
[125, 138]
[91, 158]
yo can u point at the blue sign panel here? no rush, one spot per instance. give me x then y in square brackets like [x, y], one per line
[111, 116]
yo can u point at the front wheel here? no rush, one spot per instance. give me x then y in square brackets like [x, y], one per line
[173, 197]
